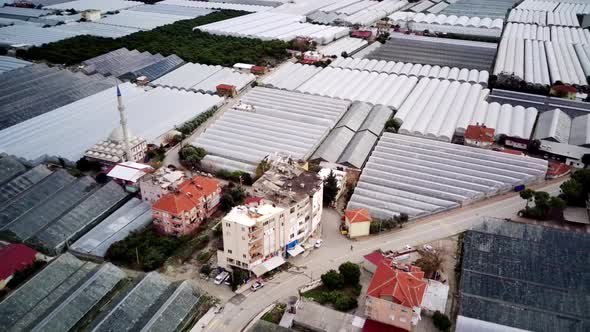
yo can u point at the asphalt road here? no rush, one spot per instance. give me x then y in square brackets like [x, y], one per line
[336, 249]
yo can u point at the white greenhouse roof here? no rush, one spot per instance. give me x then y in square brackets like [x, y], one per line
[277, 121]
[355, 85]
[95, 29]
[217, 5]
[554, 125]
[141, 20]
[31, 35]
[102, 5]
[8, 63]
[69, 130]
[437, 109]
[273, 25]
[347, 44]
[450, 20]
[204, 78]
[545, 33]
[132, 216]
[362, 12]
[418, 70]
[419, 177]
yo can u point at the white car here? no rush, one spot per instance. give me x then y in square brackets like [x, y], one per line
[318, 243]
[256, 286]
[408, 247]
[428, 248]
[220, 278]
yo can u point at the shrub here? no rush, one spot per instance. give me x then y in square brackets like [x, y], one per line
[191, 156]
[441, 321]
[345, 302]
[351, 273]
[333, 280]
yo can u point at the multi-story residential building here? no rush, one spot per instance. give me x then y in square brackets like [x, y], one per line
[253, 234]
[299, 192]
[155, 185]
[395, 294]
[181, 212]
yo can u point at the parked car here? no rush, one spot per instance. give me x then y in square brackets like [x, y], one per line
[220, 278]
[428, 248]
[318, 243]
[256, 286]
[227, 281]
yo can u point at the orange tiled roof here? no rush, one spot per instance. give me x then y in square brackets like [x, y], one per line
[406, 288]
[189, 195]
[480, 133]
[357, 215]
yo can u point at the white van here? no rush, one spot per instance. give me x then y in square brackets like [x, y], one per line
[221, 277]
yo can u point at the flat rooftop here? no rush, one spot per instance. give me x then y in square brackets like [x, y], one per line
[249, 216]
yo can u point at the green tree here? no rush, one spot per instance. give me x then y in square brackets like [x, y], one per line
[573, 192]
[527, 194]
[441, 321]
[333, 280]
[238, 278]
[345, 302]
[330, 189]
[191, 156]
[351, 273]
[541, 200]
[262, 167]
[226, 202]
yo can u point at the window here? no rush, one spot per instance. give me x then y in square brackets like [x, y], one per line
[265, 223]
[229, 260]
[292, 236]
[243, 229]
[307, 218]
[244, 256]
[229, 251]
[293, 210]
[228, 224]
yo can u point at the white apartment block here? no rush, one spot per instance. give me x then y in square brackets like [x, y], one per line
[155, 185]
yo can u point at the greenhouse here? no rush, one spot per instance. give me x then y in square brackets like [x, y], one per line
[94, 29]
[436, 51]
[412, 175]
[508, 277]
[410, 69]
[218, 5]
[438, 109]
[122, 61]
[27, 34]
[203, 78]
[9, 168]
[34, 90]
[148, 20]
[21, 183]
[274, 25]
[266, 121]
[102, 5]
[483, 8]
[346, 45]
[8, 63]
[362, 12]
[89, 120]
[70, 226]
[132, 216]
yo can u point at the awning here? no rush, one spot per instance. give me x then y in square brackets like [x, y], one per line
[268, 265]
[295, 251]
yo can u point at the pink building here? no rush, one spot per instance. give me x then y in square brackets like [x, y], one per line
[182, 211]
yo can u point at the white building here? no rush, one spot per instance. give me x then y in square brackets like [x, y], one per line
[112, 150]
[253, 235]
[155, 185]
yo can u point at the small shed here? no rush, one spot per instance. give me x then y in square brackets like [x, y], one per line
[358, 222]
[226, 90]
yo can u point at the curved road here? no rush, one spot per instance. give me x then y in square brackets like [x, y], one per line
[336, 250]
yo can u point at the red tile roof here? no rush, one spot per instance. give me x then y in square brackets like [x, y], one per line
[406, 288]
[375, 257]
[188, 196]
[480, 133]
[252, 199]
[15, 257]
[511, 151]
[375, 326]
[357, 215]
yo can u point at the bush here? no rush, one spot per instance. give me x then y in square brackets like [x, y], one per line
[351, 273]
[190, 156]
[205, 269]
[333, 280]
[345, 302]
[441, 321]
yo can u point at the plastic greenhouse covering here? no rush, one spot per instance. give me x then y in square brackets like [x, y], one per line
[27, 34]
[42, 292]
[347, 44]
[84, 299]
[274, 25]
[279, 121]
[21, 183]
[69, 227]
[83, 123]
[169, 9]
[358, 149]
[102, 5]
[35, 90]
[9, 168]
[495, 284]
[31, 198]
[482, 8]
[363, 12]
[143, 20]
[436, 51]
[217, 5]
[95, 29]
[204, 78]
[176, 312]
[416, 176]
[42, 215]
[158, 69]
[554, 125]
[120, 61]
[132, 216]
[136, 308]
[8, 63]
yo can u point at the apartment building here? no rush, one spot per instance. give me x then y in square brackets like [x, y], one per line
[181, 212]
[288, 185]
[159, 183]
[253, 235]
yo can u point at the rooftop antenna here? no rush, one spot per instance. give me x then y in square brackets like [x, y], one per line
[123, 117]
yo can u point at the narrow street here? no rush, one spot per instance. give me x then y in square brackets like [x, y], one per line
[336, 250]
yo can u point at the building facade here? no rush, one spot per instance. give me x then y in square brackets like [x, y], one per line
[252, 234]
[358, 222]
[182, 211]
[163, 181]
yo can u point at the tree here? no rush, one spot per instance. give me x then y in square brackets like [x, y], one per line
[262, 167]
[330, 188]
[541, 200]
[345, 302]
[238, 278]
[573, 192]
[102, 178]
[191, 156]
[441, 321]
[586, 160]
[351, 273]
[527, 194]
[430, 262]
[402, 218]
[333, 280]
[85, 165]
[226, 202]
